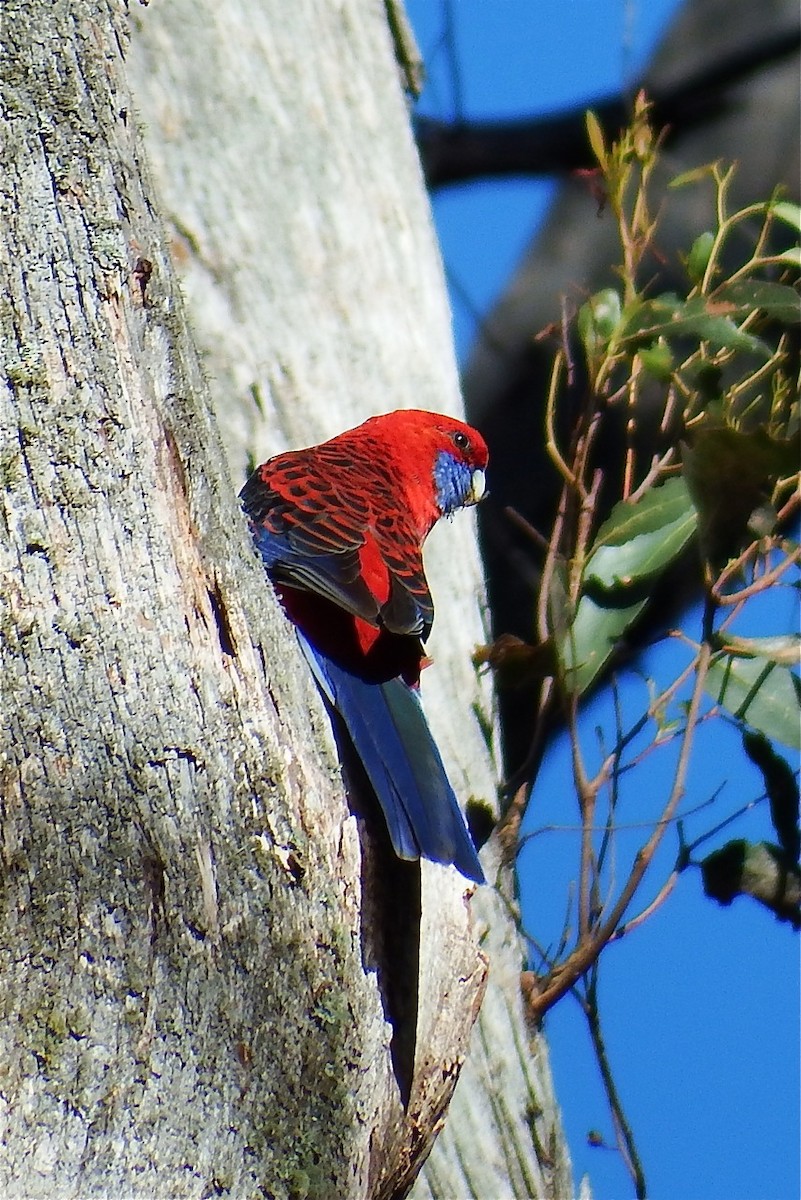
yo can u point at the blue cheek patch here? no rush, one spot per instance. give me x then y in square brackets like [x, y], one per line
[452, 480]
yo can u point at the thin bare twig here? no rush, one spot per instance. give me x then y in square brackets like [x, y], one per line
[551, 443]
[527, 528]
[588, 948]
[760, 585]
[623, 1132]
[657, 902]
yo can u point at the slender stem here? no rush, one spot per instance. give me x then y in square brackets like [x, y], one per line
[545, 626]
[551, 443]
[588, 948]
[614, 778]
[586, 795]
[565, 827]
[623, 1131]
[659, 466]
[657, 902]
[527, 528]
[761, 584]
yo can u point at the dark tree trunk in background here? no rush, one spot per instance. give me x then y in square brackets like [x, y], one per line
[753, 122]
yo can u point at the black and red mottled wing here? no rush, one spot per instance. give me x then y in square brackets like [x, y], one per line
[325, 520]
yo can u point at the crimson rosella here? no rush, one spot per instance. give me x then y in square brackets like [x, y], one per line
[340, 527]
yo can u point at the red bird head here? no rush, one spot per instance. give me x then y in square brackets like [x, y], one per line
[436, 461]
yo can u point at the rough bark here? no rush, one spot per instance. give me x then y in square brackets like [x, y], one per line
[185, 1008]
[288, 143]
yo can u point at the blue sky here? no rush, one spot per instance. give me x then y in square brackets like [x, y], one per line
[518, 56]
[701, 1004]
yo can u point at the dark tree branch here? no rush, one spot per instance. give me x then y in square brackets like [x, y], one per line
[623, 1131]
[557, 143]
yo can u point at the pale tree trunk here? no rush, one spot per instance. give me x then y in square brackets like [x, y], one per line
[186, 1006]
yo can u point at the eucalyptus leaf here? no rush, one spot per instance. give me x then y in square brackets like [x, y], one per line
[759, 692]
[729, 473]
[586, 647]
[694, 175]
[781, 786]
[639, 540]
[596, 138]
[700, 317]
[514, 662]
[777, 300]
[784, 650]
[791, 256]
[698, 258]
[785, 210]
[635, 543]
[759, 870]
[598, 319]
[658, 359]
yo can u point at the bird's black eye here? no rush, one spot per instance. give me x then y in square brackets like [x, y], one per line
[461, 441]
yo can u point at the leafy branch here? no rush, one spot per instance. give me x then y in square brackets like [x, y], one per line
[702, 389]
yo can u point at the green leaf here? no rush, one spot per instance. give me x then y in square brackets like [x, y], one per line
[586, 647]
[756, 869]
[790, 214]
[698, 258]
[598, 319]
[777, 300]
[729, 474]
[785, 650]
[634, 544]
[658, 360]
[695, 175]
[759, 692]
[596, 138]
[514, 662]
[781, 787]
[791, 257]
[639, 540]
[700, 317]
[785, 211]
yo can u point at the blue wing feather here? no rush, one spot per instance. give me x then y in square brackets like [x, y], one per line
[391, 736]
[333, 575]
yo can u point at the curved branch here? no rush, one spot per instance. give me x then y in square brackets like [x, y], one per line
[556, 143]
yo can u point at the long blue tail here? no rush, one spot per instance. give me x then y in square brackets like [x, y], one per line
[391, 736]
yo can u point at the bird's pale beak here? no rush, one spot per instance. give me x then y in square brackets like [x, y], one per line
[478, 487]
